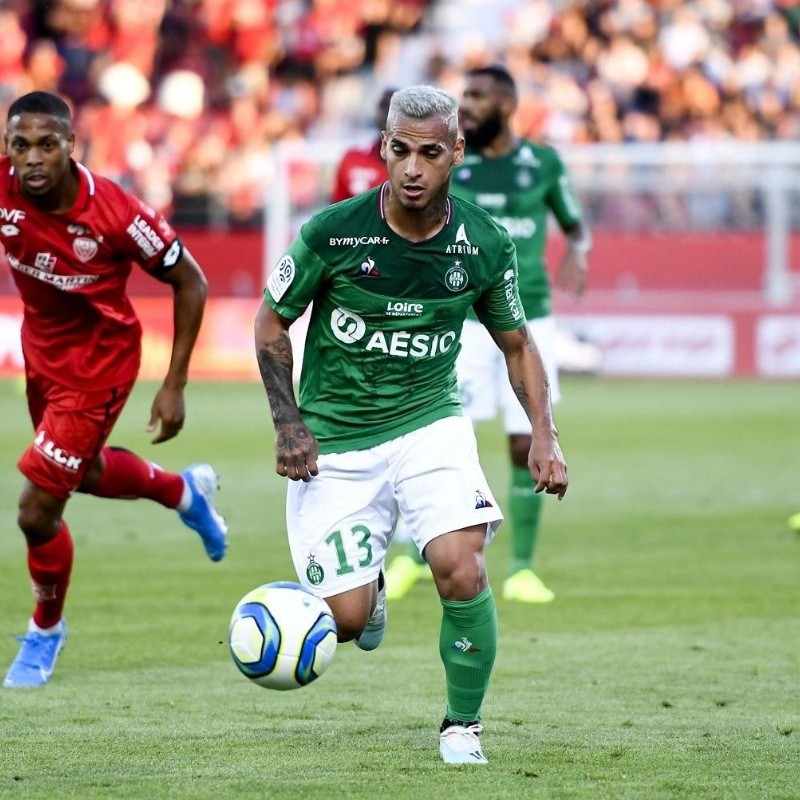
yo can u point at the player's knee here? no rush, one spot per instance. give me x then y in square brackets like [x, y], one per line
[37, 523]
[464, 579]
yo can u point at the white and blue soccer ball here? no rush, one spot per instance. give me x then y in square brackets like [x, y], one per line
[282, 636]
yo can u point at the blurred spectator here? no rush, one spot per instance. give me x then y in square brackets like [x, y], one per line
[184, 101]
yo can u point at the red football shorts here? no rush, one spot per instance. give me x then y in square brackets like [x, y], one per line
[71, 428]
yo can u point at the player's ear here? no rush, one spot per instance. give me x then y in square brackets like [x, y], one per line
[71, 142]
[384, 144]
[458, 151]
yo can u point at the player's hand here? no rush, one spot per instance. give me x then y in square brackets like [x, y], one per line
[548, 467]
[296, 452]
[573, 272]
[169, 410]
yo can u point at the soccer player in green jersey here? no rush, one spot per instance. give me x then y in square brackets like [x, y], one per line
[379, 430]
[519, 183]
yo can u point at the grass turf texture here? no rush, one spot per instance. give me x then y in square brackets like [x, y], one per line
[668, 667]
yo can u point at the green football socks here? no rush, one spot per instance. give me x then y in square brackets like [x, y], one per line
[468, 645]
[525, 509]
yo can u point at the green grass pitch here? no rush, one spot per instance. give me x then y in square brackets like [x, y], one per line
[668, 667]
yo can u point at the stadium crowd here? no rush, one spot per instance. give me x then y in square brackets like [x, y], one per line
[181, 101]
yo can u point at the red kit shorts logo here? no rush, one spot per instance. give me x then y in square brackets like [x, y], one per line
[48, 448]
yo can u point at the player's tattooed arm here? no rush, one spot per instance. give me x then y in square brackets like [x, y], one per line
[296, 449]
[529, 382]
[275, 363]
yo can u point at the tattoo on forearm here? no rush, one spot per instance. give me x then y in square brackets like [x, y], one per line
[275, 364]
[522, 395]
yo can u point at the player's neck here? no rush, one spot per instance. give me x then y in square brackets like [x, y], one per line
[502, 145]
[416, 225]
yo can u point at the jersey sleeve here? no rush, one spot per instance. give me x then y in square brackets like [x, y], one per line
[499, 306]
[146, 237]
[562, 198]
[294, 281]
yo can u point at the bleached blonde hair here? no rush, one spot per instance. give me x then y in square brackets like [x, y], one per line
[424, 102]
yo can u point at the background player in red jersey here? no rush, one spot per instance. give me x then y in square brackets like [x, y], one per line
[71, 238]
[363, 168]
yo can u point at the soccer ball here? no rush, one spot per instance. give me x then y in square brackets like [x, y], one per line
[282, 636]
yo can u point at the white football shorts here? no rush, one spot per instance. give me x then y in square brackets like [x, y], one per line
[483, 378]
[340, 523]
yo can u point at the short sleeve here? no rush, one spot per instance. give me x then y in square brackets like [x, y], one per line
[146, 237]
[294, 281]
[562, 198]
[499, 306]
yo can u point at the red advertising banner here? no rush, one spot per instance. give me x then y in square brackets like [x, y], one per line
[655, 338]
[224, 349]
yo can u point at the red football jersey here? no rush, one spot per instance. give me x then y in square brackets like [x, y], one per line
[79, 327]
[359, 170]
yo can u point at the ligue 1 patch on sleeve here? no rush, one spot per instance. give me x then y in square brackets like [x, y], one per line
[280, 279]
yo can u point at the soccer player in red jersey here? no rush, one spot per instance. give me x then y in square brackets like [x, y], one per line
[362, 168]
[71, 238]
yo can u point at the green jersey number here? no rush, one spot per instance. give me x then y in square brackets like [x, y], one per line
[336, 539]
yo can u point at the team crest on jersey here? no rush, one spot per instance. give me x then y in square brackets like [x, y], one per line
[280, 279]
[368, 268]
[455, 279]
[85, 248]
[524, 179]
[9, 229]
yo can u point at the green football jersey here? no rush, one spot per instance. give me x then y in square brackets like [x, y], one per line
[387, 314]
[519, 190]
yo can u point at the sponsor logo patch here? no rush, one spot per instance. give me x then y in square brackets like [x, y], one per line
[368, 268]
[147, 240]
[465, 646]
[48, 448]
[66, 283]
[11, 215]
[481, 501]
[45, 261]
[355, 241]
[400, 308]
[280, 279]
[347, 327]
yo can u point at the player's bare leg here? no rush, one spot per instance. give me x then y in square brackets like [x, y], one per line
[360, 614]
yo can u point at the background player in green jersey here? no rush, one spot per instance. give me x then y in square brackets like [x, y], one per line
[519, 183]
[379, 431]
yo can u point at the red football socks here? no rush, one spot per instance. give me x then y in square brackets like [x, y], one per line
[50, 567]
[126, 476]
